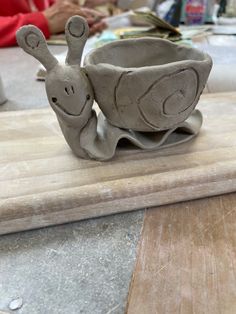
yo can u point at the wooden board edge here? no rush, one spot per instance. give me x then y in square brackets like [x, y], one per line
[114, 207]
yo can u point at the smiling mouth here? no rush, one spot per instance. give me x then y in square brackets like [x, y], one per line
[56, 103]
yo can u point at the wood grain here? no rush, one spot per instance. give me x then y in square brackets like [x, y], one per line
[187, 259]
[42, 183]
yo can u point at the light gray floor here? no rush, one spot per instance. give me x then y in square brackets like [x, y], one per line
[84, 267]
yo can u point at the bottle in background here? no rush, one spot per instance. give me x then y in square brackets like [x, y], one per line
[195, 12]
[174, 14]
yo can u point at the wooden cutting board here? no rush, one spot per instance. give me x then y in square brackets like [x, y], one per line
[186, 259]
[42, 183]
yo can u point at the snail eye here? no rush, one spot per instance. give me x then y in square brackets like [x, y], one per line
[54, 99]
[88, 97]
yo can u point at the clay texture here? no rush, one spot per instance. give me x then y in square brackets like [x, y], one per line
[147, 90]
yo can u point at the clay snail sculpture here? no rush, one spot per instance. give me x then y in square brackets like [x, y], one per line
[147, 90]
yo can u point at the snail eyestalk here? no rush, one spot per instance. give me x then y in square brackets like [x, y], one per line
[77, 32]
[32, 41]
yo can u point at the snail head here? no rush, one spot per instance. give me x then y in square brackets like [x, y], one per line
[68, 88]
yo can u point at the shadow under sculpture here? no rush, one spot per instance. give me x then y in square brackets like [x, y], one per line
[147, 90]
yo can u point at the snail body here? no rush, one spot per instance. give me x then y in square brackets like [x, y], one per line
[139, 89]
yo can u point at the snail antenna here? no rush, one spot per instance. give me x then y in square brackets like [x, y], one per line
[77, 32]
[32, 41]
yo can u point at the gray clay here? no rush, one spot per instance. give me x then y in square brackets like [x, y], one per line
[147, 90]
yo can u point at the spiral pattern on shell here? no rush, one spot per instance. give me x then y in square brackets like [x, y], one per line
[170, 100]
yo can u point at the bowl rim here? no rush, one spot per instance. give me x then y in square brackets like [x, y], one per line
[89, 58]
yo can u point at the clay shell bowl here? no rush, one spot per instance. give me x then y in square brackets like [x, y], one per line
[147, 84]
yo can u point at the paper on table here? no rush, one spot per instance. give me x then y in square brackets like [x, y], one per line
[224, 30]
[158, 28]
[226, 20]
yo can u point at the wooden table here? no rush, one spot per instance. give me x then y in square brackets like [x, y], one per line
[186, 259]
[43, 183]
